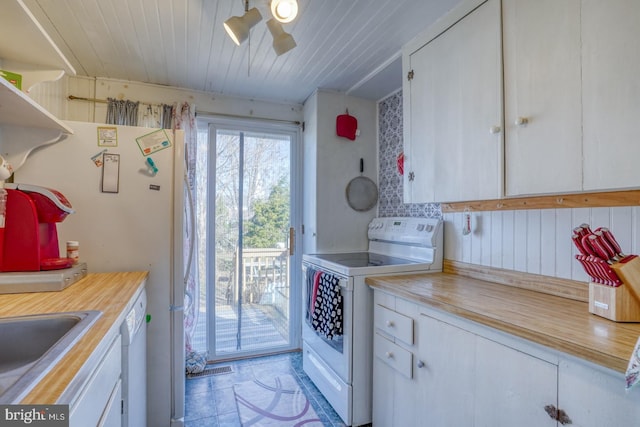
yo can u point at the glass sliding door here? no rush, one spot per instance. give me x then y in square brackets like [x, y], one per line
[249, 217]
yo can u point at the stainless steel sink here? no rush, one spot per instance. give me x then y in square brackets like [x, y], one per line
[32, 345]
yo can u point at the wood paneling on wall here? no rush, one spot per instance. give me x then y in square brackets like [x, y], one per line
[536, 241]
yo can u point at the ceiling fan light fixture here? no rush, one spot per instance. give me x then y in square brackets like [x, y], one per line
[238, 27]
[282, 42]
[284, 10]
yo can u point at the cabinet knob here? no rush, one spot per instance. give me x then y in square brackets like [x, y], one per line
[495, 129]
[521, 121]
[389, 355]
[389, 324]
[412, 176]
[420, 364]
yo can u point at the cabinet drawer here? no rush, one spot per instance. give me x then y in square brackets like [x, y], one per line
[393, 355]
[394, 324]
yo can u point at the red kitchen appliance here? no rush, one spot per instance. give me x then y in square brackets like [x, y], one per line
[31, 235]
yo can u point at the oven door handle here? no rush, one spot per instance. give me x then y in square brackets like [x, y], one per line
[346, 284]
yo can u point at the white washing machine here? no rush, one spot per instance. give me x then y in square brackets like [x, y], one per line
[134, 364]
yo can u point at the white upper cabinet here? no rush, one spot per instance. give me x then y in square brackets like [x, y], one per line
[569, 70]
[611, 93]
[25, 48]
[542, 88]
[453, 108]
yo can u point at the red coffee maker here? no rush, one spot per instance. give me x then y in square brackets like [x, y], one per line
[30, 233]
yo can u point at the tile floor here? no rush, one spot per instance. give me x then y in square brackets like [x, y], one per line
[210, 402]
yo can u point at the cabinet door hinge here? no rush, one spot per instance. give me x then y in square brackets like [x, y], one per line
[410, 75]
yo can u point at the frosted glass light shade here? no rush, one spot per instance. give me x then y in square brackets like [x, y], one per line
[284, 10]
[238, 27]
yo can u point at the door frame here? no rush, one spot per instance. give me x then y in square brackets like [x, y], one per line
[295, 201]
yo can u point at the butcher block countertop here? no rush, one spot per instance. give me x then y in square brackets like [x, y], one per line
[109, 293]
[552, 321]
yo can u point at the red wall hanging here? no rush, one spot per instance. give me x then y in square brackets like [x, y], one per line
[346, 126]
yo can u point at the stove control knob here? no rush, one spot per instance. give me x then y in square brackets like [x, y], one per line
[429, 228]
[420, 227]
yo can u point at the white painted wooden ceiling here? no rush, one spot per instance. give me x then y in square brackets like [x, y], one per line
[351, 46]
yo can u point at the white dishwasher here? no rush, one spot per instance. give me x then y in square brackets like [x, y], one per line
[134, 364]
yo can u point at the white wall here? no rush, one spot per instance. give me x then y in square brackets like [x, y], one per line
[536, 241]
[330, 163]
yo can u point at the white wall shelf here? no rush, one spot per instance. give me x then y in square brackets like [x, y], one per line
[24, 41]
[17, 109]
[26, 48]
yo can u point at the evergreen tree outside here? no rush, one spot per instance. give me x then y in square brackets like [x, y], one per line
[270, 222]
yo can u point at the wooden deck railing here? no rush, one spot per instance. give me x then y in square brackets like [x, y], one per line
[265, 279]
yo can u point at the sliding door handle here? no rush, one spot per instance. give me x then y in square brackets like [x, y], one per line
[292, 237]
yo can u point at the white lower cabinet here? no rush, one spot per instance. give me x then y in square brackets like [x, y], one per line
[468, 380]
[99, 400]
[593, 396]
[512, 387]
[445, 368]
[462, 373]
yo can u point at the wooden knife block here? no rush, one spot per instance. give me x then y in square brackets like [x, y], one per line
[621, 303]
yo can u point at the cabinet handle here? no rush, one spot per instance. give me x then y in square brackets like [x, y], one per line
[563, 418]
[558, 414]
[420, 364]
[495, 129]
[521, 121]
[389, 355]
[389, 324]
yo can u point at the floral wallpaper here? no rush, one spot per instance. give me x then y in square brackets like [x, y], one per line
[390, 181]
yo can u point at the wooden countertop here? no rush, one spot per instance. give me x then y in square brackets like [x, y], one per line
[556, 322]
[109, 293]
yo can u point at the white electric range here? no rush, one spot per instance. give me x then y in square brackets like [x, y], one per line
[341, 367]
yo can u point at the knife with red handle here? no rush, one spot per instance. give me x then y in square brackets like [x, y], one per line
[608, 235]
[602, 274]
[602, 247]
[590, 268]
[578, 244]
[580, 231]
[586, 245]
[601, 271]
[586, 228]
[597, 269]
[598, 247]
[613, 254]
[610, 277]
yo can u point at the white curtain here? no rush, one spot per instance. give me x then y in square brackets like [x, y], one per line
[184, 118]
